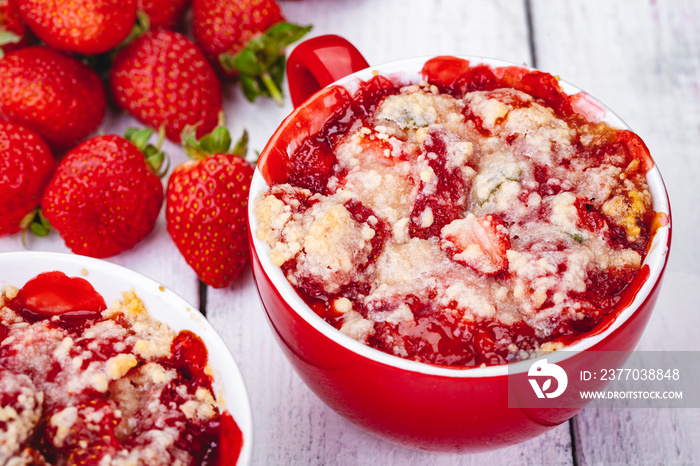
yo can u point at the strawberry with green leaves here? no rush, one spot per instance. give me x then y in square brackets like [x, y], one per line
[26, 166]
[52, 94]
[247, 39]
[163, 79]
[207, 204]
[105, 195]
[87, 27]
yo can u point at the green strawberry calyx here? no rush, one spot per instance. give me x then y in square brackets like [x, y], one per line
[157, 161]
[36, 223]
[7, 37]
[217, 142]
[141, 27]
[260, 65]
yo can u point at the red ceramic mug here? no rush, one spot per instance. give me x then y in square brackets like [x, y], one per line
[413, 404]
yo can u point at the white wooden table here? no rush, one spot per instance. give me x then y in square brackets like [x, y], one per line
[640, 57]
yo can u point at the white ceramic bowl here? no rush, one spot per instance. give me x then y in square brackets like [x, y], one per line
[110, 281]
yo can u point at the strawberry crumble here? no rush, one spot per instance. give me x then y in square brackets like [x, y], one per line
[84, 383]
[463, 220]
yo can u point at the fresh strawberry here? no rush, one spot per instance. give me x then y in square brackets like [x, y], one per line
[26, 166]
[206, 207]
[163, 79]
[87, 27]
[247, 39]
[13, 32]
[480, 243]
[163, 14]
[104, 197]
[52, 94]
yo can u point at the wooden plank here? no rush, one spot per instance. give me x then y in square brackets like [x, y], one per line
[393, 29]
[643, 60]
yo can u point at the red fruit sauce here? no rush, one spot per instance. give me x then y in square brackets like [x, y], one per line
[447, 200]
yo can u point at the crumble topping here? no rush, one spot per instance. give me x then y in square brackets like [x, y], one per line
[445, 217]
[111, 391]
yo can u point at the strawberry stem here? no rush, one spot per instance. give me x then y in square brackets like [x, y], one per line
[272, 88]
[35, 222]
[141, 27]
[241, 146]
[158, 162]
[260, 65]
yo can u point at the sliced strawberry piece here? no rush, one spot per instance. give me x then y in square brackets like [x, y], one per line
[189, 355]
[480, 243]
[633, 146]
[589, 217]
[55, 294]
[444, 71]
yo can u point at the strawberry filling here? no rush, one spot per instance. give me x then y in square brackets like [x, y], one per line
[473, 219]
[446, 201]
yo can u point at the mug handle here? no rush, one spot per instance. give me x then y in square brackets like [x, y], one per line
[317, 62]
